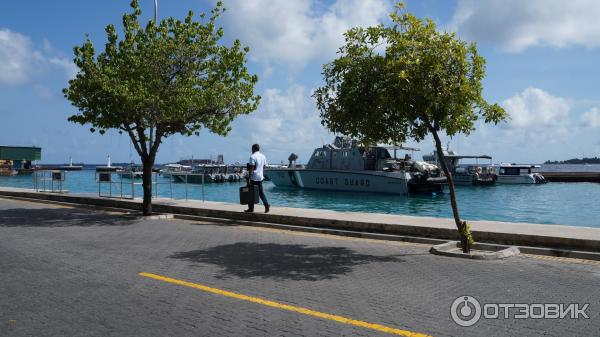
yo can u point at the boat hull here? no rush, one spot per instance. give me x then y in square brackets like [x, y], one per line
[352, 181]
[469, 180]
[520, 179]
[129, 175]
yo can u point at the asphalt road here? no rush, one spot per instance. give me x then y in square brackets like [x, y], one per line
[80, 272]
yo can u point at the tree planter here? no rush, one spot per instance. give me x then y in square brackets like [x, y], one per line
[478, 251]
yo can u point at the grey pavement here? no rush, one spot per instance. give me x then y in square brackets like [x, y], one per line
[75, 272]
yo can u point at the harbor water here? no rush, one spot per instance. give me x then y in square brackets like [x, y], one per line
[576, 204]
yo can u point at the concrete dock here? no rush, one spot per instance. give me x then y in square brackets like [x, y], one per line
[572, 177]
[558, 240]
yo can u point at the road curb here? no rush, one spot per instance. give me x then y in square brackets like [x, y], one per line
[533, 244]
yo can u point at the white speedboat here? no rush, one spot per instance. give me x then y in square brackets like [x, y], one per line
[132, 171]
[466, 174]
[210, 173]
[175, 168]
[518, 174]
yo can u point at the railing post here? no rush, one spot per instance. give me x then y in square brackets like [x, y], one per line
[186, 187]
[171, 185]
[132, 189]
[155, 185]
[203, 188]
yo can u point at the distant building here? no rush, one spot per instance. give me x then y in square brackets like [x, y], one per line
[17, 159]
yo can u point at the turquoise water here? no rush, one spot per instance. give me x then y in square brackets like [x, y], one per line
[576, 204]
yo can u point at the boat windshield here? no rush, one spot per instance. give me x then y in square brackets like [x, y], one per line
[514, 171]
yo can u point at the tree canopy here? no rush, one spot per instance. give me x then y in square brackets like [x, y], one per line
[160, 79]
[175, 77]
[405, 81]
[398, 82]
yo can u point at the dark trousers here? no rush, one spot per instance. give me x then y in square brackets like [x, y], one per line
[261, 194]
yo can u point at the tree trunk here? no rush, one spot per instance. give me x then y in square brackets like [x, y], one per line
[466, 246]
[147, 185]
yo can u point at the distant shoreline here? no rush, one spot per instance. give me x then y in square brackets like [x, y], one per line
[594, 160]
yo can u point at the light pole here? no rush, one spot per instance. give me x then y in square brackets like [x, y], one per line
[155, 10]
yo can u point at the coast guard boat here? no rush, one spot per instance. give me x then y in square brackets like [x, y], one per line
[346, 166]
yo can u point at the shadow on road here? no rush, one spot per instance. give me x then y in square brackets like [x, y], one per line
[270, 260]
[59, 217]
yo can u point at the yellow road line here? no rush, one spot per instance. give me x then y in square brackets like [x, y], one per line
[288, 307]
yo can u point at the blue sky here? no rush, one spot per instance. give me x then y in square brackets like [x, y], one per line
[543, 60]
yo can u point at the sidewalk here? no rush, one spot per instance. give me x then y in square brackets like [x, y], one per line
[522, 234]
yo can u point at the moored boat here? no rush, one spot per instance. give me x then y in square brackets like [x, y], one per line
[210, 173]
[519, 174]
[479, 174]
[132, 171]
[175, 168]
[346, 166]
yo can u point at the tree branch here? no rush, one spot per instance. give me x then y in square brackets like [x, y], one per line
[134, 139]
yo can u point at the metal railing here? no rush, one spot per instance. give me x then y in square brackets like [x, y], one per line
[186, 181]
[49, 181]
[128, 180]
[115, 184]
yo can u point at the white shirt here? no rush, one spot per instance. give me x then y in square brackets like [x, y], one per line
[259, 161]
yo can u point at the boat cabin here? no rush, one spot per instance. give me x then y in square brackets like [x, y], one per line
[516, 170]
[374, 158]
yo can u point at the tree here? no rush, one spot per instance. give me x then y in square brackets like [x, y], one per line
[159, 80]
[406, 80]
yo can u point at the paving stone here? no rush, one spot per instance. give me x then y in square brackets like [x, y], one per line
[74, 272]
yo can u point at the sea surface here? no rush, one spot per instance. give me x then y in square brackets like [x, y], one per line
[575, 204]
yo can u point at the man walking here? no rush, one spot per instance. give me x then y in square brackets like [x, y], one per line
[255, 176]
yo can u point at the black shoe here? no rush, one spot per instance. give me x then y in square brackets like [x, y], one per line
[249, 210]
[267, 208]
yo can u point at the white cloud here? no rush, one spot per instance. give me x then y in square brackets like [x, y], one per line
[534, 108]
[20, 61]
[287, 121]
[515, 25]
[591, 118]
[298, 31]
[16, 57]
[66, 65]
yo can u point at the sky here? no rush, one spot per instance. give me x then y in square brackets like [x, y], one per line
[543, 67]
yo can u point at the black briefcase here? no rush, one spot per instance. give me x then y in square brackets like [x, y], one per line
[248, 194]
